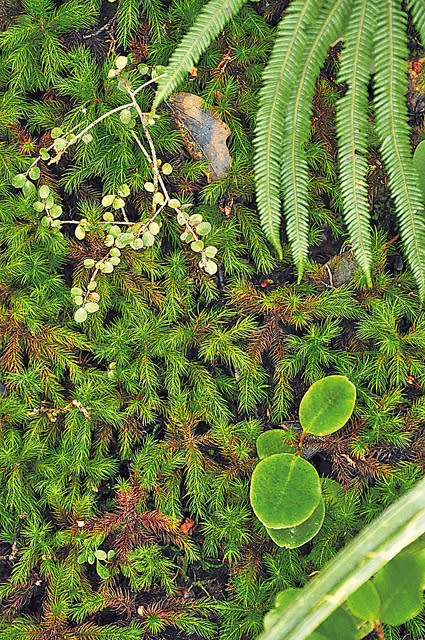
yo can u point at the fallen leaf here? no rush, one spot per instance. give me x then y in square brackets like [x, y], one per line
[187, 525]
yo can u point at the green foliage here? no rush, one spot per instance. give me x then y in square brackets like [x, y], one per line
[327, 405]
[285, 489]
[129, 439]
[285, 110]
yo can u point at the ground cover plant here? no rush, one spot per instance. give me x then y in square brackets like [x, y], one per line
[135, 382]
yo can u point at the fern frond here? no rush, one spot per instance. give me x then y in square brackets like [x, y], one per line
[206, 28]
[352, 128]
[279, 78]
[296, 131]
[417, 8]
[393, 131]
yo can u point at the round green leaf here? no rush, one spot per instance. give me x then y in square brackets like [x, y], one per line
[154, 228]
[19, 180]
[174, 203]
[120, 62]
[148, 239]
[114, 231]
[59, 144]
[118, 203]
[50, 201]
[38, 206]
[285, 490]
[197, 246]
[211, 251]
[327, 405]
[102, 571]
[79, 233]
[271, 442]
[44, 191]
[45, 221]
[44, 154]
[100, 554]
[80, 315]
[92, 285]
[124, 239]
[114, 260]
[29, 188]
[88, 263]
[56, 132]
[167, 168]
[124, 190]
[76, 291]
[108, 267]
[137, 243]
[203, 228]
[365, 602]
[108, 200]
[108, 216]
[56, 211]
[211, 267]
[115, 252]
[34, 173]
[87, 138]
[293, 537]
[400, 585]
[125, 116]
[149, 186]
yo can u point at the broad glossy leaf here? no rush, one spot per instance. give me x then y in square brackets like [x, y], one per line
[271, 442]
[285, 490]
[400, 585]
[327, 405]
[365, 602]
[339, 626]
[293, 537]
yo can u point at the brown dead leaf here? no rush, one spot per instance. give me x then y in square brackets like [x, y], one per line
[187, 525]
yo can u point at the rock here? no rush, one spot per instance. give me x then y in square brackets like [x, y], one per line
[204, 133]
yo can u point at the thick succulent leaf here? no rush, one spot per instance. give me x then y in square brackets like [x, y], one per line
[285, 490]
[365, 602]
[400, 585]
[271, 442]
[352, 127]
[208, 25]
[327, 405]
[279, 77]
[328, 27]
[293, 537]
[393, 131]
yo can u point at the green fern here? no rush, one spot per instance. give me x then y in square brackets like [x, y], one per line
[279, 77]
[352, 128]
[209, 24]
[296, 131]
[391, 123]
